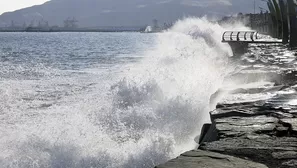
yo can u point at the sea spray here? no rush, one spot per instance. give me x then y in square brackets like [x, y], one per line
[141, 117]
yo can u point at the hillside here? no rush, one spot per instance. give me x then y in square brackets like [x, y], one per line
[91, 13]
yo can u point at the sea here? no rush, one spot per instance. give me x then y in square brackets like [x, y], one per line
[108, 100]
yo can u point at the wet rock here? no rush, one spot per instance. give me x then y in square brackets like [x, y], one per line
[292, 123]
[261, 131]
[282, 130]
[240, 109]
[282, 101]
[289, 164]
[205, 159]
[251, 109]
[273, 89]
[247, 90]
[285, 155]
[280, 115]
[208, 133]
[251, 75]
[239, 126]
[257, 136]
[271, 151]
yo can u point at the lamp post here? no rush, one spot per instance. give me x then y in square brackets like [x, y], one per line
[254, 6]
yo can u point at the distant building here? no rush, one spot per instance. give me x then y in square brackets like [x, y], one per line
[43, 24]
[70, 23]
[156, 28]
[15, 26]
[261, 22]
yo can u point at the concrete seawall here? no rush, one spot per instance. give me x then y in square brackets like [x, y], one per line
[255, 123]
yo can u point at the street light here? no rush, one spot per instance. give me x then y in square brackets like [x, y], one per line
[254, 6]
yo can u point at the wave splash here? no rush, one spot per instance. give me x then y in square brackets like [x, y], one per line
[151, 114]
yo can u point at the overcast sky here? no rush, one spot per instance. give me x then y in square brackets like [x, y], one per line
[12, 5]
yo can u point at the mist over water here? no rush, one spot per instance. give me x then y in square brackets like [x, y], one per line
[135, 110]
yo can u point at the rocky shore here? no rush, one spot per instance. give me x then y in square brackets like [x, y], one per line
[254, 124]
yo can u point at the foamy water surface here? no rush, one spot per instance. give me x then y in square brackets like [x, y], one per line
[107, 99]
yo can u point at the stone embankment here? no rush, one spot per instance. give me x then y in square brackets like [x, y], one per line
[254, 125]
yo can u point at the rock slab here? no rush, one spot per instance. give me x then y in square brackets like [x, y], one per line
[206, 159]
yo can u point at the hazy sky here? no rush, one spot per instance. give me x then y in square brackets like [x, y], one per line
[12, 5]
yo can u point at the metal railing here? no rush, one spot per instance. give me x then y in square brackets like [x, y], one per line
[234, 36]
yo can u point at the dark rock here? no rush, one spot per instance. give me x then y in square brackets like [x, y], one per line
[273, 89]
[285, 155]
[247, 110]
[209, 133]
[281, 101]
[292, 123]
[282, 131]
[257, 136]
[270, 151]
[247, 91]
[280, 115]
[242, 110]
[289, 164]
[239, 126]
[205, 159]
[261, 131]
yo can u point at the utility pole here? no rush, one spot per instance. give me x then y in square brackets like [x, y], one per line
[254, 6]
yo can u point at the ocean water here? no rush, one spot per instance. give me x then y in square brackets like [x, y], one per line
[104, 100]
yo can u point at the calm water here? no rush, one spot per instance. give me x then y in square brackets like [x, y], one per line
[72, 51]
[106, 99]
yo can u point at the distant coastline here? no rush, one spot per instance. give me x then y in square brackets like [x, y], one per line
[71, 26]
[60, 29]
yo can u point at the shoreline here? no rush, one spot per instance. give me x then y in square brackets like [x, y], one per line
[57, 31]
[252, 133]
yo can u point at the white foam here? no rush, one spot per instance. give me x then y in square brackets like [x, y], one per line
[137, 117]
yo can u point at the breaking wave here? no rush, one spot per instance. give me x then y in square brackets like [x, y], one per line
[148, 113]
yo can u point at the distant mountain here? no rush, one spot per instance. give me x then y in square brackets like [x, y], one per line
[91, 13]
